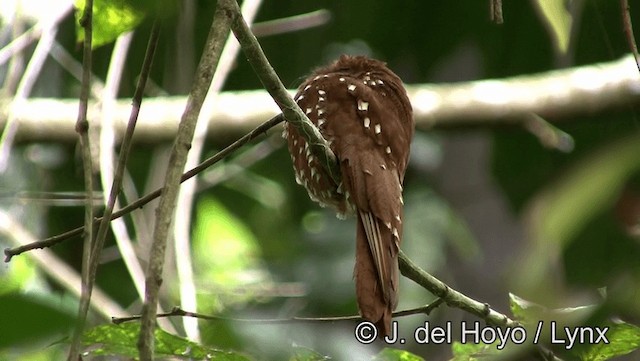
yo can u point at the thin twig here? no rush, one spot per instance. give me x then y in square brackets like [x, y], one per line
[52, 241]
[82, 127]
[549, 136]
[291, 23]
[164, 213]
[177, 311]
[240, 163]
[114, 180]
[628, 30]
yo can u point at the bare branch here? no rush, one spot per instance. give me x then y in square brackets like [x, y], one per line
[204, 74]
[176, 311]
[82, 128]
[292, 23]
[555, 95]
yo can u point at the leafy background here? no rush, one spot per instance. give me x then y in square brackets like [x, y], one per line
[486, 208]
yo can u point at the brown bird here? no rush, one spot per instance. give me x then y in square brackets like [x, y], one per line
[361, 108]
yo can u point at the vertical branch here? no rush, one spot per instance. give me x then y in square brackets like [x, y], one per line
[186, 196]
[114, 180]
[204, 75]
[496, 11]
[82, 128]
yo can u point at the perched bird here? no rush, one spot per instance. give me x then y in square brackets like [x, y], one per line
[361, 108]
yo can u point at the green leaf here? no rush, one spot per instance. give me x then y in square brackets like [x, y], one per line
[470, 351]
[306, 354]
[110, 20]
[121, 340]
[558, 20]
[28, 319]
[531, 313]
[227, 254]
[17, 275]
[623, 338]
[391, 354]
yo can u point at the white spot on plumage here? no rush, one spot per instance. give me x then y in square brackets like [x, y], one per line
[310, 159]
[321, 121]
[362, 105]
[307, 87]
[351, 87]
[321, 99]
[320, 111]
[317, 77]
[398, 218]
[300, 97]
[366, 122]
[308, 111]
[388, 150]
[383, 167]
[321, 92]
[388, 225]
[395, 233]
[285, 133]
[380, 82]
[401, 200]
[341, 79]
[377, 129]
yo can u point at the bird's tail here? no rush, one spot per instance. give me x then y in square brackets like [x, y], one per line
[376, 271]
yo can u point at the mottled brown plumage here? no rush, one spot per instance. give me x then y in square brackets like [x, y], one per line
[362, 109]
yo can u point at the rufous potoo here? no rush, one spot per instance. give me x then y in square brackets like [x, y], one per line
[361, 108]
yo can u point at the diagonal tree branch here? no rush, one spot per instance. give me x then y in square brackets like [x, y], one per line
[82, 127]
[204, 75]
[271, 82]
